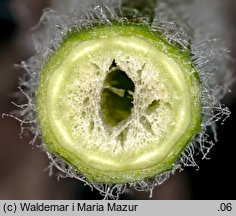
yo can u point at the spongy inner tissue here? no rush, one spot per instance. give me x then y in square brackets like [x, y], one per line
[115, 101]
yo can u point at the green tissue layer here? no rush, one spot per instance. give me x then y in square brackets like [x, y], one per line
[118, 103]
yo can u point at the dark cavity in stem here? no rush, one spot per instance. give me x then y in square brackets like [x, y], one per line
[117, 96]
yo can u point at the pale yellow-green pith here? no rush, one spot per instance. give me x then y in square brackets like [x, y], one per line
[166, 111]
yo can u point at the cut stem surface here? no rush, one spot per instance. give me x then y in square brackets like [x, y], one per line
[118, 103]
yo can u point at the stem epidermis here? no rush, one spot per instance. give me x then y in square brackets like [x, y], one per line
[109, 131]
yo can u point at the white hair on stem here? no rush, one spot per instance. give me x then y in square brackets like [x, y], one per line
[190, 25]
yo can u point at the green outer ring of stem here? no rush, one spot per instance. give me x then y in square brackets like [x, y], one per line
[99, 173]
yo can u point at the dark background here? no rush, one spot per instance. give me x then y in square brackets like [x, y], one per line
[23, 172]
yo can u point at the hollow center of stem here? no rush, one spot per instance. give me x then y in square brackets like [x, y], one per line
[117, 96]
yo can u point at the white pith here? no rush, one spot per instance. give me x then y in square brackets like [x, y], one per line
[74, 108]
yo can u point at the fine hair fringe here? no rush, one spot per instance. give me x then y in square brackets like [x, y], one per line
[176, 22]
